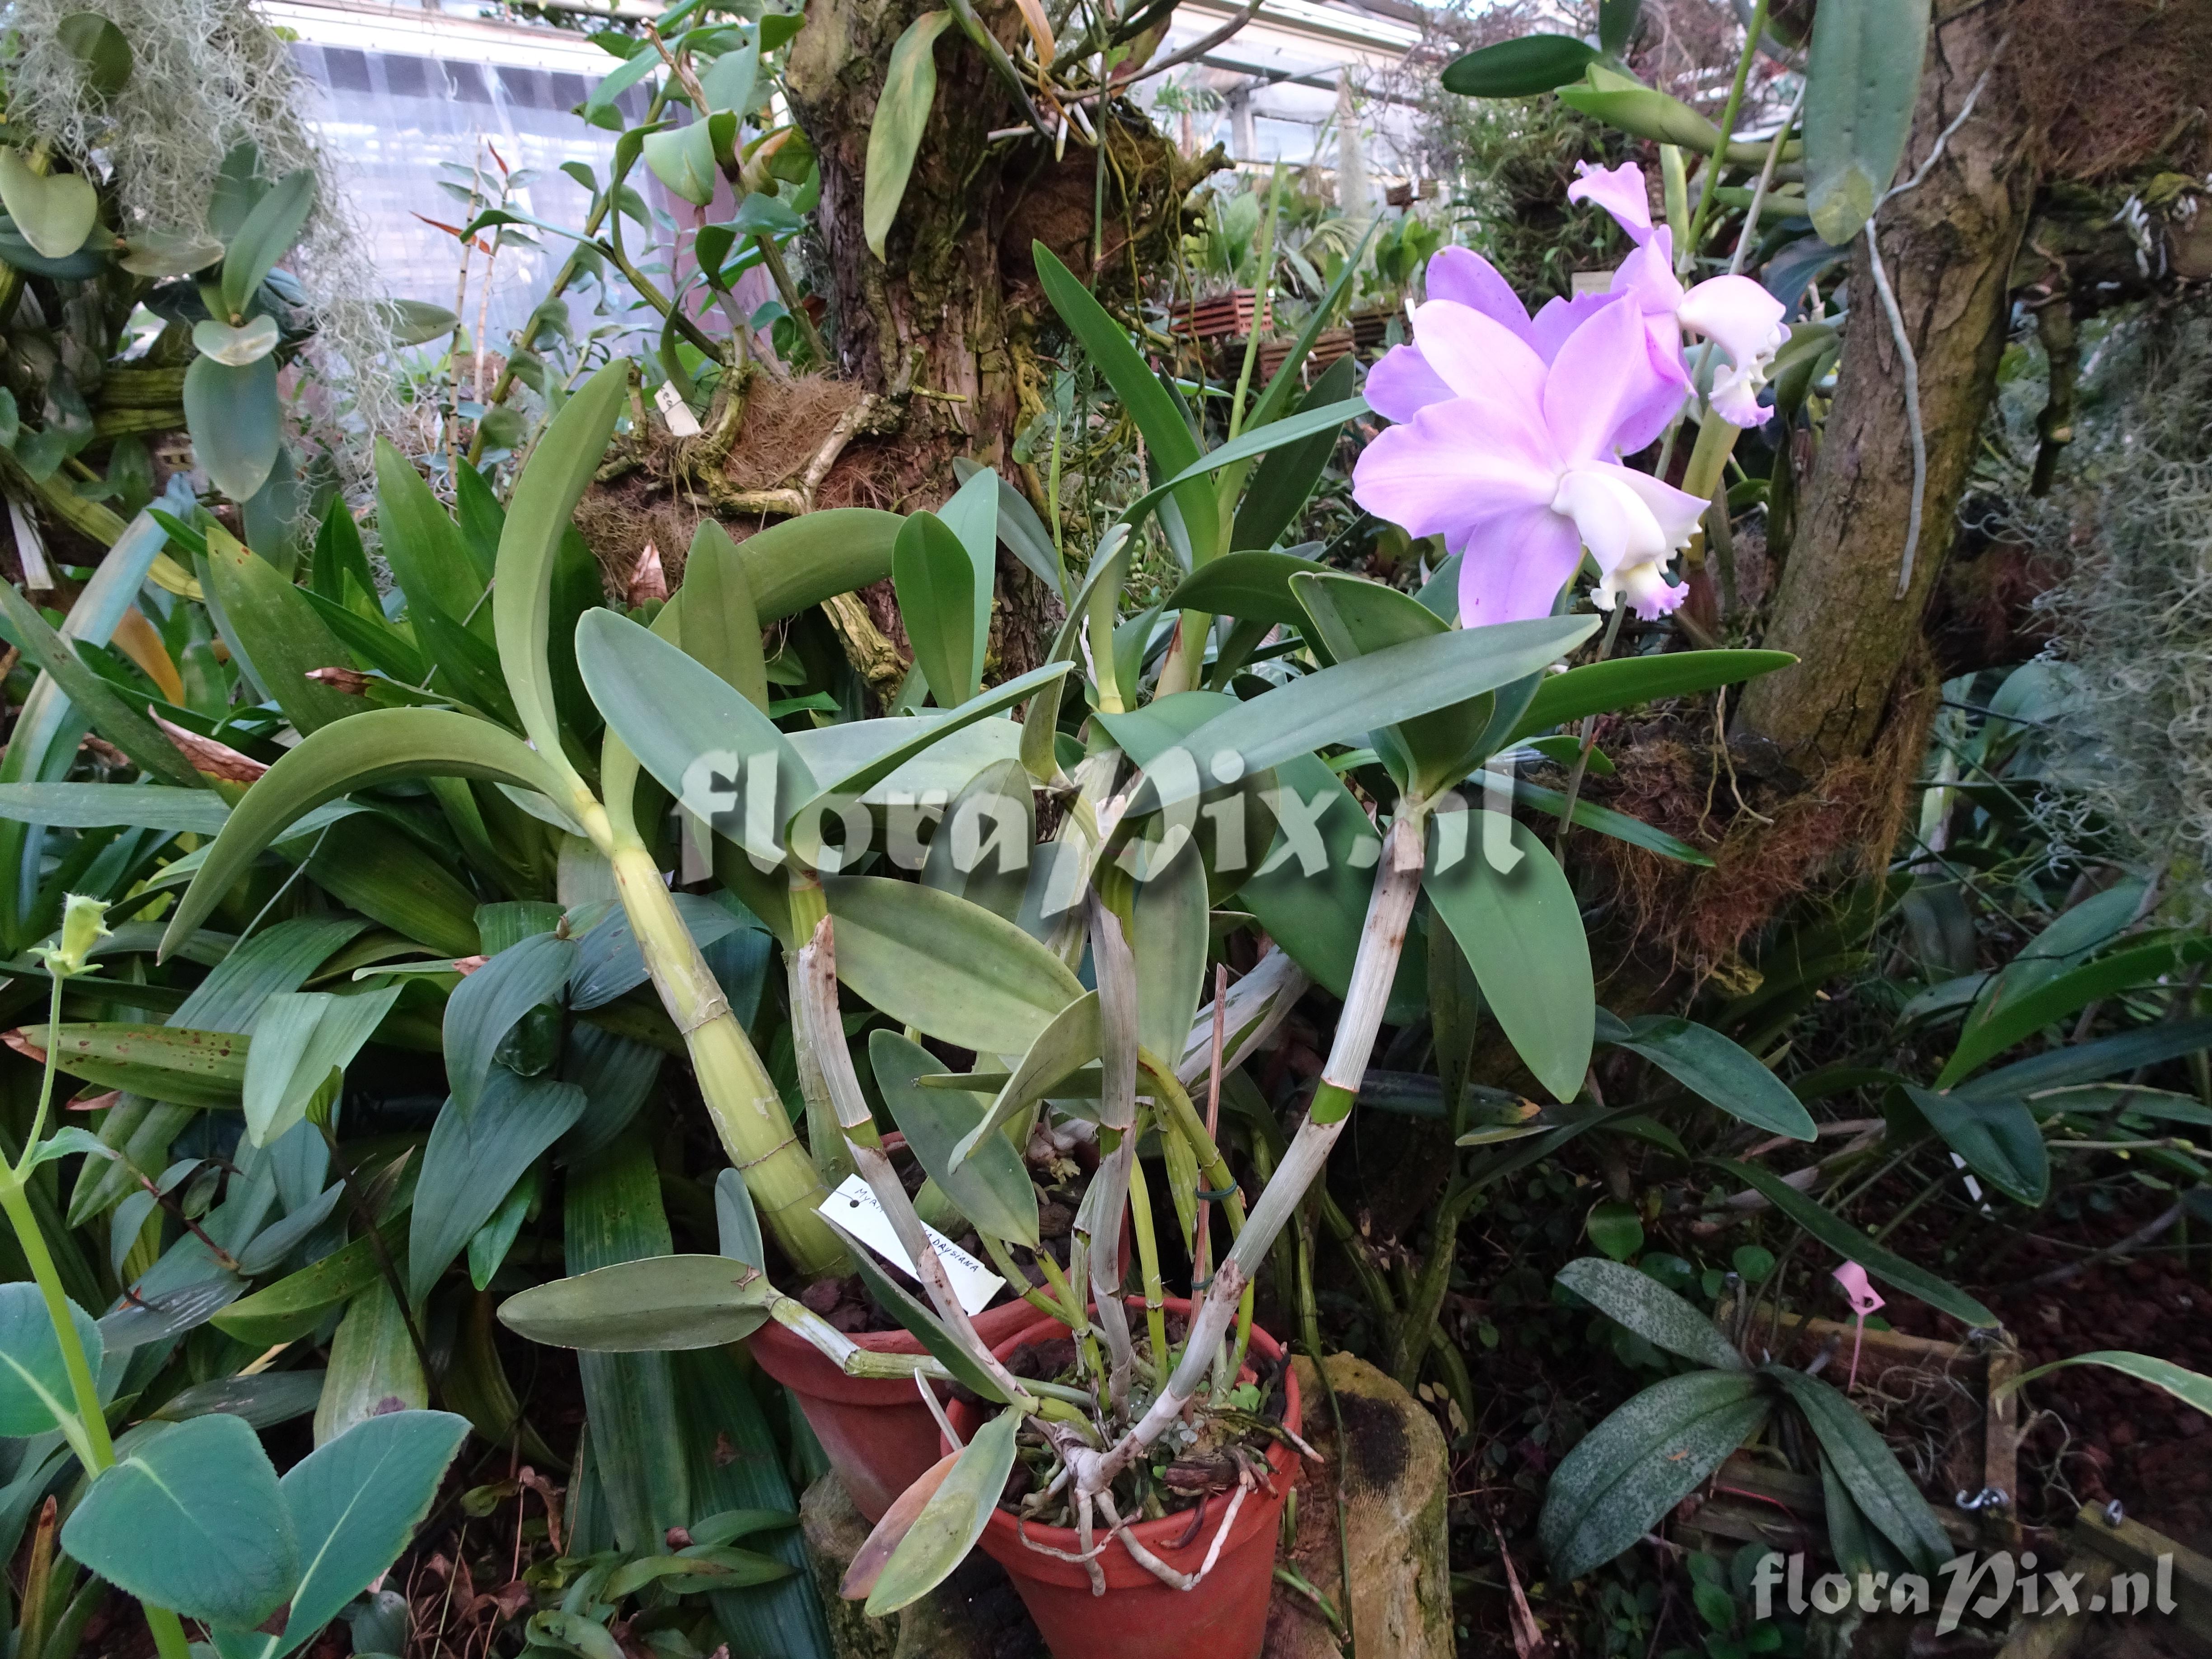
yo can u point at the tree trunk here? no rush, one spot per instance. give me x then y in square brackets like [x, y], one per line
[1947, 246]
[941, 331]
[928, 330]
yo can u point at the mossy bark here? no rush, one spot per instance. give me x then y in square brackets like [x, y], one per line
[931, 319]
[1949, 246]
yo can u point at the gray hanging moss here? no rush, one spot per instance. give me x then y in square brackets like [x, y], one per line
[206, 75]
[2131, 515]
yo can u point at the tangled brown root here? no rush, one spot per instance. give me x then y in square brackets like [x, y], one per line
[1771, 836]
[2110, 85]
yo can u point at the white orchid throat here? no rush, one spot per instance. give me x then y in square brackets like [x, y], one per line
[1632, 528]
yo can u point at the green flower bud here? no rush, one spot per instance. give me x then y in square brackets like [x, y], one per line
[83, 925]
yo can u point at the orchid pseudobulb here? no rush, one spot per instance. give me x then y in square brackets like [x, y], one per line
[1515, 461]
[1735, 313]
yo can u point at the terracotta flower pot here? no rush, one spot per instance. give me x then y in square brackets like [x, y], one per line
[880, 1436]
[1224, 1617]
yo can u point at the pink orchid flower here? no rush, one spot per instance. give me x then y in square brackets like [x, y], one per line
[1403, 383]
[1621, 191]
[1864, 1299]
[1735, 313]
[1515, 461]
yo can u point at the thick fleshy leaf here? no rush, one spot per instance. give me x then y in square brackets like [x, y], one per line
[266, 236]
[694, 731]
[1020, 530]
[34, 1387]
[983, 848]
[1703, 1061]
[1068, 1043]
[737, 1224]
[804, 561]
[185, 1066]
[683, 159]
[354, 1506]
[1643, 112]
[1654, 1313]
[895, 134]
[301, 1038]
[487, 1005]
[545, 496]
[474, 1159]
[2000, 1139]
[352, 753]
[868, 1561]
[1253, 587]
[1519, 68]
[1345, 702]
[236, 424]
[1853, 1245]
[950, 968]
[234, 348]
[970, 730]
[193, 1521]
[1862, 81]
[936, 583]
[952, 1520]
[991, 1186]
[655, 1304]
[1883, 1493]
[1354, 618]
[1598, 688]
[719, 624]
[1523, 934]
[54, 212]
[1169, 933]
[1639, 1462]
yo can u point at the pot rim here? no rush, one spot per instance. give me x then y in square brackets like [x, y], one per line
[1282, 1460]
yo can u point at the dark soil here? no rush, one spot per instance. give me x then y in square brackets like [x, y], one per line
[2092, 1435]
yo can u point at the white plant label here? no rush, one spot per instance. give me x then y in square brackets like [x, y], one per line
[682, 423]
[853, 1207]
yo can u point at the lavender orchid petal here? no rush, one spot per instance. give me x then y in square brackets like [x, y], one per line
[1465, 277]
[1451, 468]
[1601, 379]
[1514, 566]
[1648, 274]
[1402, 385]
[1561, 318]
[1519, 472]
[1621, 191]
[1475, 354]
[1745, 321]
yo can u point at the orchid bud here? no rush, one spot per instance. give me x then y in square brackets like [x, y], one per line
[84, 924]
